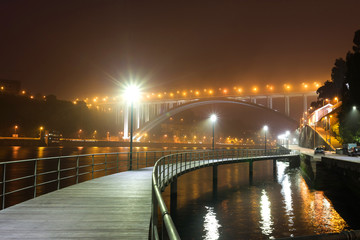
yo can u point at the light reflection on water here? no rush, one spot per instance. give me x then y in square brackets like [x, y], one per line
[266, 223]
[10, 153]
[270, 208]
[211, 225]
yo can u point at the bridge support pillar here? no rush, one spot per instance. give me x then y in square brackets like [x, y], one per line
[287, 106]
[173, 188]
[215, 179]
[158, 109]
[251, 172]
[274, 170]
[305, 103]
[173, 196]
[147, 111]
[269, 102]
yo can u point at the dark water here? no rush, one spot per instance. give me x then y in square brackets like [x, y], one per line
[271, 207]
[10, 153]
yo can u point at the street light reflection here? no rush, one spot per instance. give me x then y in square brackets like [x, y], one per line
[284, 180]
[266, 223]
[211, 225]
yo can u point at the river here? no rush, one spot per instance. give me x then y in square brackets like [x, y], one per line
[11, 153]
[270, 207]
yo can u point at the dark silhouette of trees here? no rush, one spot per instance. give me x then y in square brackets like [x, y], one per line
[332, 89]
[349, 116]
[57, 115]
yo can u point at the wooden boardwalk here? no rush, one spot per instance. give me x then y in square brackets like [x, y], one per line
[112, 207]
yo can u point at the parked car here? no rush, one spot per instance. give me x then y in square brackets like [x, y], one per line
[347, 148]
[319, 150]
[355, 151]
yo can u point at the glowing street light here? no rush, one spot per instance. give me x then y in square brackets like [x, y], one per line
[41, 128]
[213, 119]
[15, 128]
[132, 94]
[266, 128]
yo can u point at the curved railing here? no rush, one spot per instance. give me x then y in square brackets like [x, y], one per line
[170, 166]
[25, 179]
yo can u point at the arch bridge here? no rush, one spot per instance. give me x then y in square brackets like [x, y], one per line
[150, 113]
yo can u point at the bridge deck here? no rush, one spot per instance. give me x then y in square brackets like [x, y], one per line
[112, 207]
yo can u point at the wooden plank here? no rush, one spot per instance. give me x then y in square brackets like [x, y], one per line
[112, 207]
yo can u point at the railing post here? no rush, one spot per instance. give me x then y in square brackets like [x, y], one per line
[145, 159]
[105, 164]
[172, 165]
[163, 171]
[128, 162]
[154, 214]
[191, 159]
[181, 161]
[58, 173]
[77, 170]
[3, 186]
[117, 162]
[92, 166]
[176, 162]
[137, 160]
[250, 171]
[35, 176]
[168, 167]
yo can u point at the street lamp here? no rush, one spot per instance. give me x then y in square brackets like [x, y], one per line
[213, 119]
[131, 95]
[287, 134]
[266, 128]
[41, 128]
[16, 127]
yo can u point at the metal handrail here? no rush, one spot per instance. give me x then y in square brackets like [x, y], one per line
[65, 168]
[170, 166]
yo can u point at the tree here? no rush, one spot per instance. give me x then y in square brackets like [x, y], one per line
[338, 73]
[349, 117]
[332, 89]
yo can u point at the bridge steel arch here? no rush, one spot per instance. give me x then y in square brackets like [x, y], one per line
[201, 102]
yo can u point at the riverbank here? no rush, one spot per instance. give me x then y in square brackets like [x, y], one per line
[36, 142]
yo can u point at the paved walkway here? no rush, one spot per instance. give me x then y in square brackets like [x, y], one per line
[112, 207]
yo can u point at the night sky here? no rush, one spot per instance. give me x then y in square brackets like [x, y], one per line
[74, 48]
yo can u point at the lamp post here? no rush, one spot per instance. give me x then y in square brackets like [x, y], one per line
[287, 134]
[265, 130]
[330, 129]
[16, 127]
[213, 119]
[41, 128]
[326, 136]
[132, 94]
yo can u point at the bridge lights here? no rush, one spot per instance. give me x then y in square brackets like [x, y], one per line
[213, 119]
